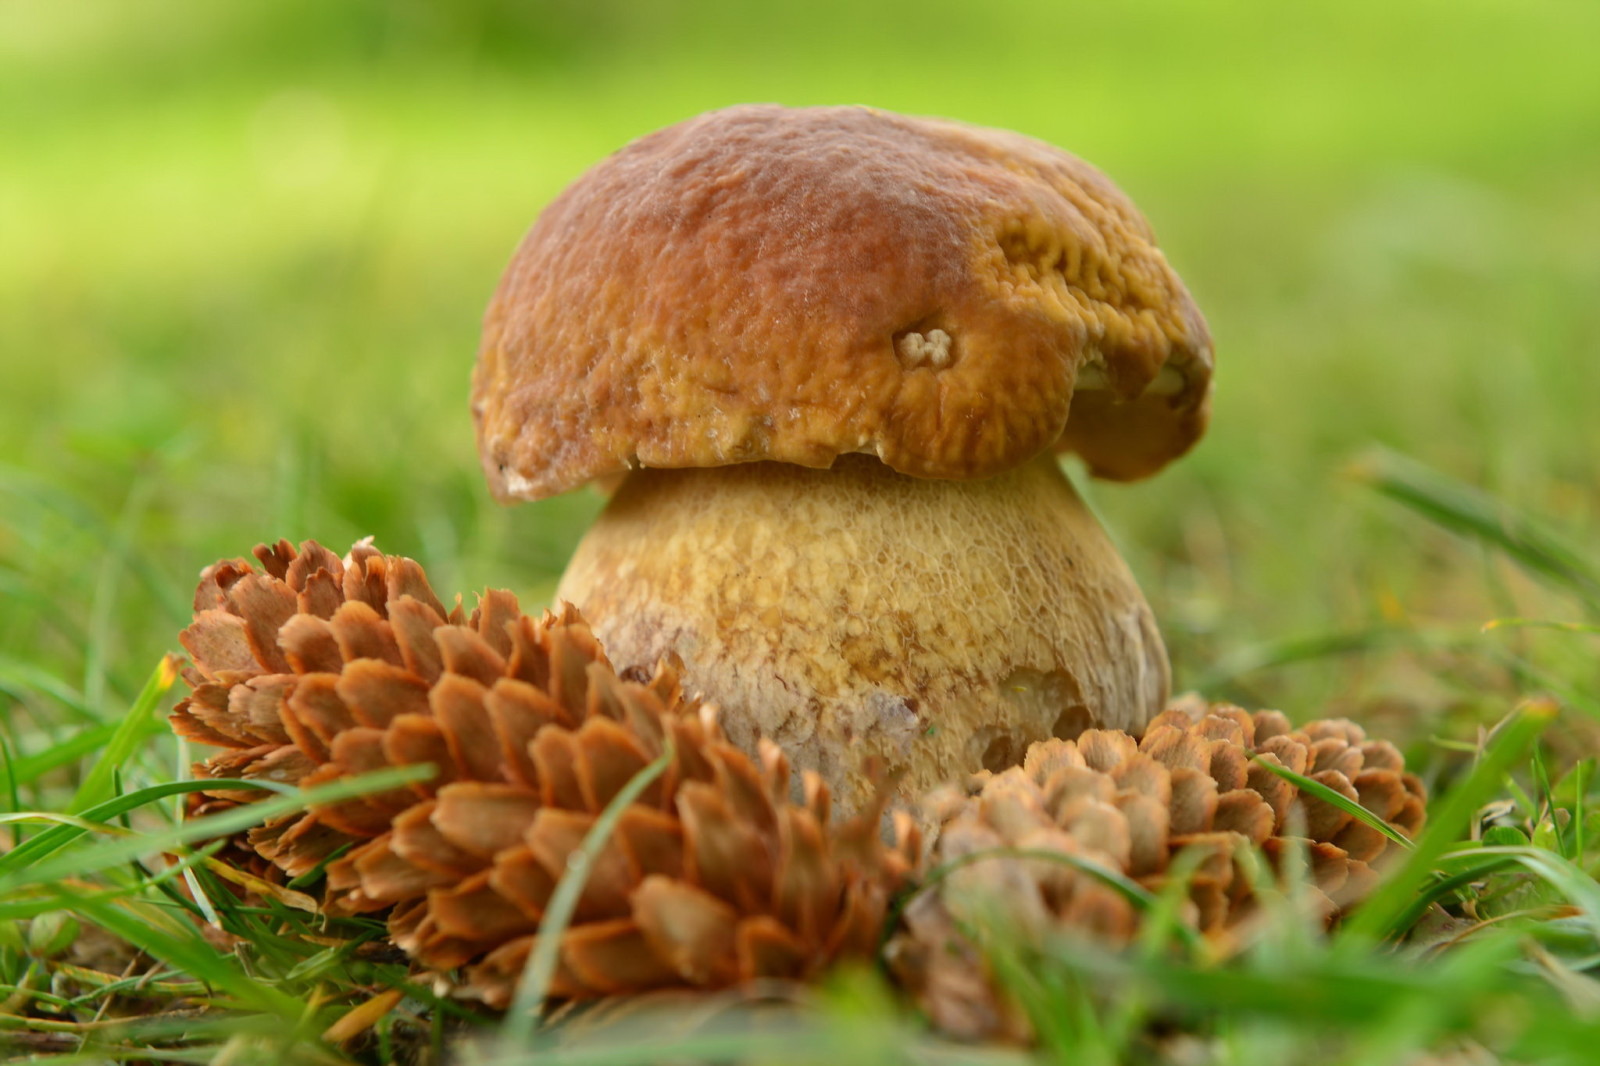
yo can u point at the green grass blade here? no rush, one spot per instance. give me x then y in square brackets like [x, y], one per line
[540, 969]
[8, 784]
[1140, 897]
[1545, 793]
[1312, 787]
[67, 828]
[138, 725]
[1288, 651]
[102, 609]
[1581, 775]
[1472, 865]
[184, 949]
[116, 852]
[1380, 916]
[85, 825]
[1471, 512]
[52, 497]
[26, 769]
[1565, 876]
[1575, 693]
[18, 592]
[1454, 877]
[1348, 993]
[1135, 893]
[32, 906]
[22, 678]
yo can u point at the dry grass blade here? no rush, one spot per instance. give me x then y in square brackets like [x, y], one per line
[362, 1017]
[1540, 623]
[261, 887]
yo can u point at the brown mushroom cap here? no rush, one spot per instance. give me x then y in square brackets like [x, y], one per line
[765, 283]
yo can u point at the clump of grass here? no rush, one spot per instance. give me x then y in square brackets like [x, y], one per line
[123, 938]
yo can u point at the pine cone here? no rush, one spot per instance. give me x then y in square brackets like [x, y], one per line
[1131, 806]
[317, 668]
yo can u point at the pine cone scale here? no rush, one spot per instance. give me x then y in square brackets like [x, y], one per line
[522, 879]
[377, 692]
[314, 714]
[474, 913]
[689, 929]
[611, 757]
[313, 668]
[319, 595]
[483, 818]
[554, 753]
[765, 948]
[517, 711]
[458, 708]
[413, 624]
[265, 605]
[722, 853]
[652, 840]
[383, 877]
[1189, 794]
[218, 639]
[415, 838]
[609, 959]
[310, 646]
[465, 654]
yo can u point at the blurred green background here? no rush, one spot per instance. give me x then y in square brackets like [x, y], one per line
[244, 249]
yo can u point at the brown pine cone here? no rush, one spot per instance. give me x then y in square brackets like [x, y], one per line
[1131, 806]
[314, 668]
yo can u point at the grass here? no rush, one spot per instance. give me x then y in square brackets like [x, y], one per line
[243, 251]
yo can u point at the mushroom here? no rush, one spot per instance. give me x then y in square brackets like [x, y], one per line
[828, 356]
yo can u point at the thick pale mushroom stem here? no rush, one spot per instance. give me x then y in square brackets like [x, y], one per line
[940, 625]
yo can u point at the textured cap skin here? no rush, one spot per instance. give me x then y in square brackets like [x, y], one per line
[765, 283]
